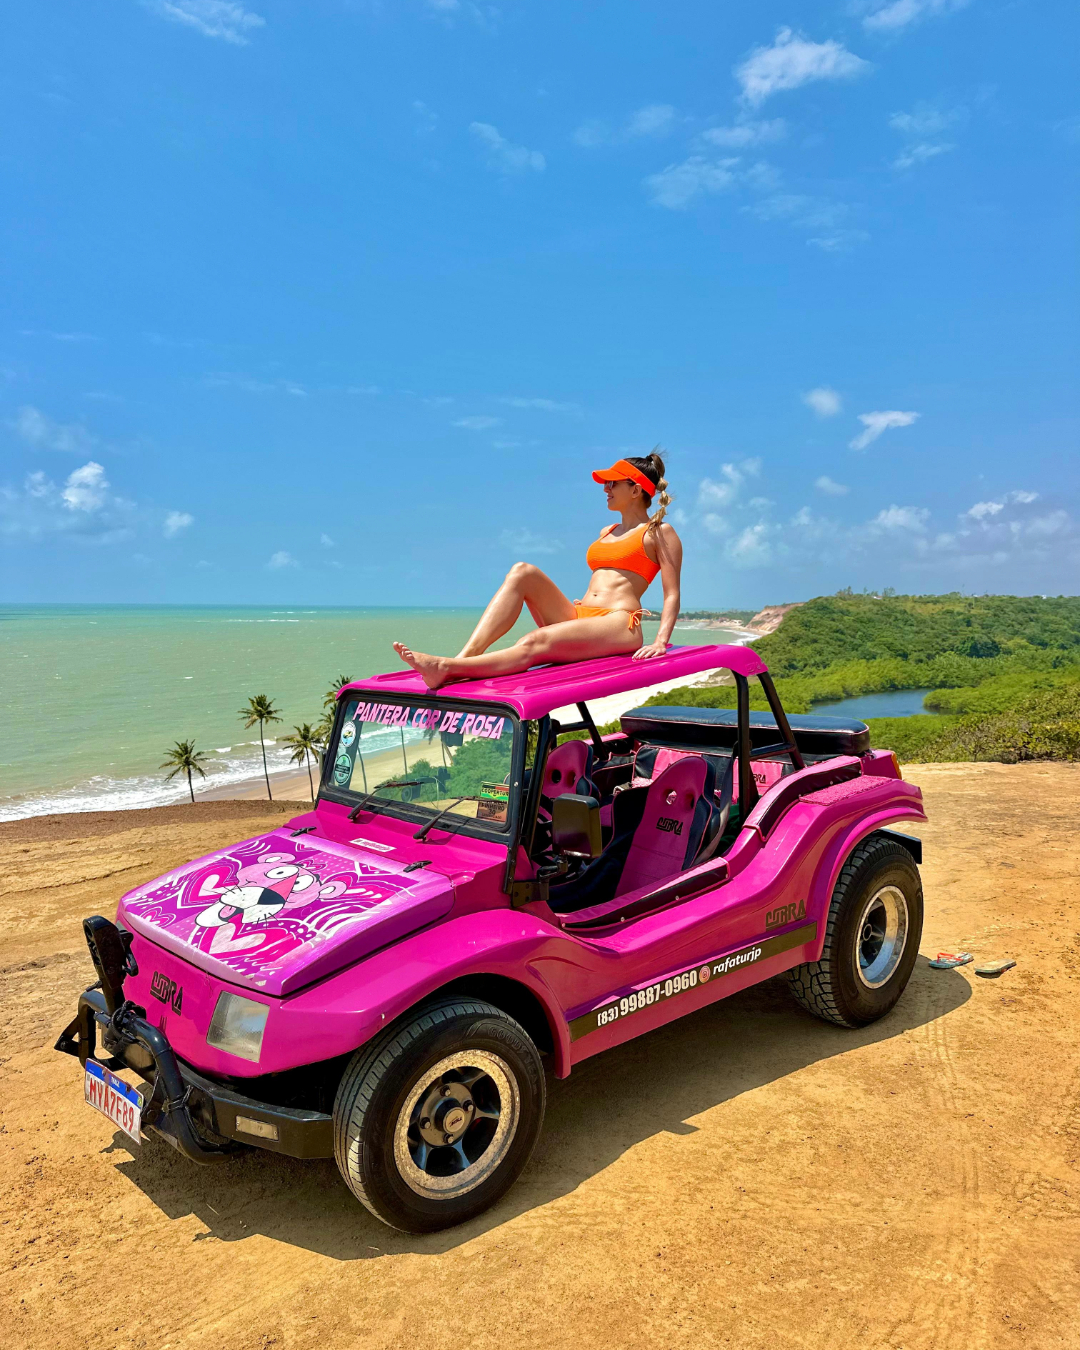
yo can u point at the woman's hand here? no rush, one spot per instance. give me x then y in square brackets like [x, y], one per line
[650, 649]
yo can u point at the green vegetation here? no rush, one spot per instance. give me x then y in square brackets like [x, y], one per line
[1004, 669]
[917, 628]
[1041, 725]
[737, 615]
[477, 762]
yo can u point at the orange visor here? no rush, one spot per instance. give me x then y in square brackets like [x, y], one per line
[621, 469]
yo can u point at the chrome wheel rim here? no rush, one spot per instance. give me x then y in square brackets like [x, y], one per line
[457, 1124]
[881, 936]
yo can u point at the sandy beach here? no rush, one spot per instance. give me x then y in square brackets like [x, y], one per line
[745, 1177]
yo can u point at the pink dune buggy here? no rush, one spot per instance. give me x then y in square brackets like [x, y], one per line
[476, 895]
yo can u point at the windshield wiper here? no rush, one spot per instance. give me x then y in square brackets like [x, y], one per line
[407, 782]
[422, 832]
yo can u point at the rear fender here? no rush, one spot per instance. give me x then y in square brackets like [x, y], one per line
[836, 854]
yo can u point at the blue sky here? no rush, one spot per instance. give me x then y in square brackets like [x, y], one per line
[338, 302]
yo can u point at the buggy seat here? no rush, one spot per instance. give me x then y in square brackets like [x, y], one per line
[658, 830]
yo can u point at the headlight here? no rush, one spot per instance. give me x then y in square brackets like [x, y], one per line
[237, 1026]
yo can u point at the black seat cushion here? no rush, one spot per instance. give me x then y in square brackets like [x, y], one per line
[718, 727]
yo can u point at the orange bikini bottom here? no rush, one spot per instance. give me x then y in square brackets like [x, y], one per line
[592, 612]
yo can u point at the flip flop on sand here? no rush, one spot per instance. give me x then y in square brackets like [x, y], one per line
[949, 960]
[992, 969]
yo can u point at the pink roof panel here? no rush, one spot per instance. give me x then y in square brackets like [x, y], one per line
[545, 688]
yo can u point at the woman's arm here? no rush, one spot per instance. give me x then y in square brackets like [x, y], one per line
[668, 548]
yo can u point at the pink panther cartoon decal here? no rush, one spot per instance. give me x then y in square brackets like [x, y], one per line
[262, 890]
[272, 911]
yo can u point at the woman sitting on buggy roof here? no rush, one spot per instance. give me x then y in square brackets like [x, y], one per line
[607, 621]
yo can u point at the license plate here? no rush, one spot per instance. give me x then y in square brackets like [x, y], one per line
[113, 1098]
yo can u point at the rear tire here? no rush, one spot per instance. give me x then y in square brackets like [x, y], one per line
[872, 937]
[435, 1119]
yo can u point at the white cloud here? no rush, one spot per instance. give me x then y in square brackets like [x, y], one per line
[825, 484]
[920, 153]
[921, 128]
[726, 490]
[176, 521]
[250, 385]
[901, 518]
[899, 13]
[478, 423]
[746, 133]
[654, 121]
[877, 422]
[59, 337]
[825, 402]
[680, 184]
[86, 488]
[748, 534]
[984, 510]
[426, 120]
[82, 508]
[793, 61]
[796, 206]
[45, 434]
[225, 19]
[839, 241]
[444, 6]
[814, 213]
[326, 541]
[752, 547]
[525, 541]
[503, 155]
[281, 559]
[923, 121]
[541, 404]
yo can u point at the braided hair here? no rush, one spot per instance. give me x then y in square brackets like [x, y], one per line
[652, 466]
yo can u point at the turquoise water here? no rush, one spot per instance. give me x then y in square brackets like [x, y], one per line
[896, 703]
[92, 696]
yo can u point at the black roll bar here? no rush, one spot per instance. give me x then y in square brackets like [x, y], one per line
[782, 723]
[748, 793]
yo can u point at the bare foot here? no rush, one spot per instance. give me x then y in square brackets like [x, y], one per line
[432, 669]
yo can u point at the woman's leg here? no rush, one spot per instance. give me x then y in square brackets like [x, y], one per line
[576, 640]
[524, 585]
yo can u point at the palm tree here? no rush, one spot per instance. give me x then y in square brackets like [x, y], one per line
[330, 697]
[260, 709]
[305, 743]
[325, 725]
[184, 758]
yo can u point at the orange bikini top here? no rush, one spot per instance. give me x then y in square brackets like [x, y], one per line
[627, 553]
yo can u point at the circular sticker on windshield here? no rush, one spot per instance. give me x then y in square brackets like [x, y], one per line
[342, 770]
[348, 733]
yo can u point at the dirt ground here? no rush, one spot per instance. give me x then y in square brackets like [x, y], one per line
[745, 1177]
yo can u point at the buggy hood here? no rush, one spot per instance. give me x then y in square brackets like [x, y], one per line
[276, 913]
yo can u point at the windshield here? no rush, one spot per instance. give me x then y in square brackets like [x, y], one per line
[426, 754]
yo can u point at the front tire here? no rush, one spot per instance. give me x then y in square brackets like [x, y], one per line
[435, 1119]
[872, 937]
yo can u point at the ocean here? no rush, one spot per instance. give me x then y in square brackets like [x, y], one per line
[91, 697]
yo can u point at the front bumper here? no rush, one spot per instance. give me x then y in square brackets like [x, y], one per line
[204, 1120]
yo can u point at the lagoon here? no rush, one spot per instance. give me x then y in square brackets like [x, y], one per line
[894, 703]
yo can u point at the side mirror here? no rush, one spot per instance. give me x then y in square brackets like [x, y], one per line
[575, 826]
